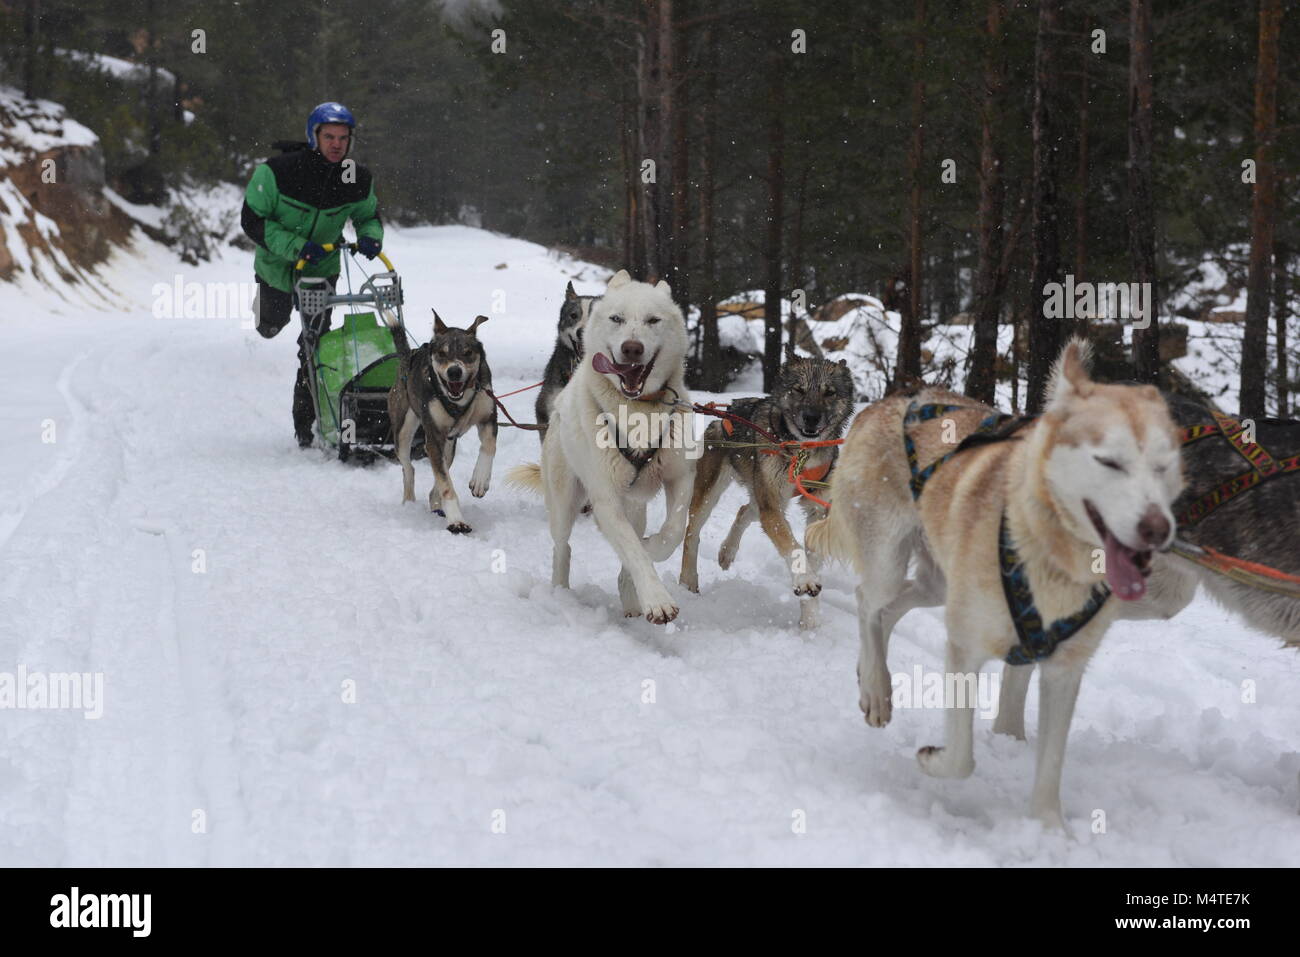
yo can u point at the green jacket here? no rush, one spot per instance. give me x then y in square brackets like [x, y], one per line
[298, 198]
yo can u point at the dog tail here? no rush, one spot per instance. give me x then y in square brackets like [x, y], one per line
[527, 477]
[393, 322]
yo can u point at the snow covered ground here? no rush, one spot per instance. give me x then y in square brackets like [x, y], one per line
[235, 592]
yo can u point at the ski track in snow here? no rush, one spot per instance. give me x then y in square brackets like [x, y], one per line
[482, 695]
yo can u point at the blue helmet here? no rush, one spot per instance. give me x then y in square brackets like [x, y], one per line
[328, 113]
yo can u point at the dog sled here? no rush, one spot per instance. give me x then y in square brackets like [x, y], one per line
[354, 364]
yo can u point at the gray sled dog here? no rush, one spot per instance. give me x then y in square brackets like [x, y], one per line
[1255, 522]
[812, 402]
[565, 356]
[1016, 534]
[444, 386]
[615, 442]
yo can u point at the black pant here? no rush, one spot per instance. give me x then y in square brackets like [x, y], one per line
[274, 310]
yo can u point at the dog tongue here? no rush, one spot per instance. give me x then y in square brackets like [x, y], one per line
[602, 364]
[1122, 573]
[632, 375]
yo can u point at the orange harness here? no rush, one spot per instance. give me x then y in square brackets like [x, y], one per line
[798, 453]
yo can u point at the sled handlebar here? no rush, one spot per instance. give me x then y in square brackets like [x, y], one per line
[351, 247]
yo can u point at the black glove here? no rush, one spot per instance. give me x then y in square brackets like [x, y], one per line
[312, 252]
[368, 247]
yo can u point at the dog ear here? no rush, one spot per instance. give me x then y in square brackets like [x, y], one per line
[845, 363]
[662, 286]
[620, 278]
[439, 327]
[1070, 378]
[478, 321]
[569, 294]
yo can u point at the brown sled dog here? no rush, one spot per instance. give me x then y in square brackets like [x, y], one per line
[443, 386]
[812, 402]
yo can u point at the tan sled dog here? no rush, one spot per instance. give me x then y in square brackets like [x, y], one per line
[1084, 495]
[613, 441]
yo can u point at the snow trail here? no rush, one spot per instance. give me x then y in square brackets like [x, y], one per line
[344, 682]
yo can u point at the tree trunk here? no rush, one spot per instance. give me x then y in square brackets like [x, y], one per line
[797, 278]
[680, 259]
[631, 213]
[1142, 213]
[909, 336]
[151, 53]
[711, 345]
[650, 102]
[772, 247]
[1046, 334]
[1081, 200]
[1281, 311]
[664, 225]
[982, 381]
[1254, 346]
[31, 45]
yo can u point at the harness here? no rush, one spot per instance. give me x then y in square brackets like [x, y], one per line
[993, 428]
[1036, 640]
[639, 458]
[1263, 466]
[798, 462]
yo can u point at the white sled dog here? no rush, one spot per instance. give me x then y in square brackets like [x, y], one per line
[614, 441]
[1015, 529]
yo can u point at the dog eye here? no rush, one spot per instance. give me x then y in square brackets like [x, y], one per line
[1109, 463]
[652, 320]
[828, 394]
[618, 319]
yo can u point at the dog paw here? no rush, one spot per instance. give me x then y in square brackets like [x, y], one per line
[876, 703]
[1051, 820]
[661, 614]
[408, 498]
[806, 583]
[941, 763]
[876, 709]
[439, 512]
[1009, 726]
[726, 555]
[459, 528]
[690, 582]
[478, 484]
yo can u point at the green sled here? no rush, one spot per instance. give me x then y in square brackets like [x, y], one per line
[356, 359]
